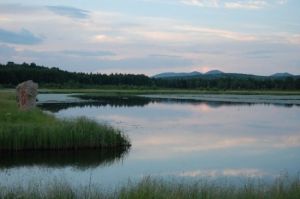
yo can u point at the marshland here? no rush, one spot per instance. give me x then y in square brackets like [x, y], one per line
[282, 188]
[146, 99]
[250, 152]
[36, 130]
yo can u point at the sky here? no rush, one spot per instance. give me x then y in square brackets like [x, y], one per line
[153, 36]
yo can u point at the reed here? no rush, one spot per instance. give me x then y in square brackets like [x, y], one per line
[37, 130]
[284, 188]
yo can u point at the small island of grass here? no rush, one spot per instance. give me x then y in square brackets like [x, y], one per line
[37, 130]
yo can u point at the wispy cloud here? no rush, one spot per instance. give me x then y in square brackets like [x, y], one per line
[9, 8]
[22, 37]
[118, 41]
[69, 11]
[294, 39]
[253, 4]
[202, 3]
[88, 53]
[282, 1]
[234, 4]
[6, 51]
[105, 38]
[94, 62]
[220, 33]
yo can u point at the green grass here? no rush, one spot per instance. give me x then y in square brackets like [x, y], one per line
[36, 130]
[148, 188]
[143, 91]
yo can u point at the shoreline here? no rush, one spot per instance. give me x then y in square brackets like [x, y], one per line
[36, 130]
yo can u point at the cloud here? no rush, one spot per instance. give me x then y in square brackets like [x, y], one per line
[260, 54]
[282, 1]
[202, 3]
[96, 61]
[120, 42]
[293, 39]
[88, 53]
[253, 4]
[221, 33]
[164, 55]
[22, 37]
[162, 36]
[103, 38]
[14, 9]
[21, 9]
[6, 51]
[234, 4]
[69, 11]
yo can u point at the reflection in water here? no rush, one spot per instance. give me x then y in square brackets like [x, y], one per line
[141, 101]
[281, 100]
[91, 101]
[176, 137]
[83, 159]
[135, 101]
[244, 172]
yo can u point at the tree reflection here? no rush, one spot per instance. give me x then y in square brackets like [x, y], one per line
[81, 159]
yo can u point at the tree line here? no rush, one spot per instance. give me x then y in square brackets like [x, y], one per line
[233, 83]
[12, 74]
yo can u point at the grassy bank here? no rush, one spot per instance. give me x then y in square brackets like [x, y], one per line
[159, 189]
[36, 130]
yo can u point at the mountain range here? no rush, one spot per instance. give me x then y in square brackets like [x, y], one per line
[214, 74]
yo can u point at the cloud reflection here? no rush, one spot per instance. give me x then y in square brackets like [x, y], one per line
[168, 130]
[244, 172]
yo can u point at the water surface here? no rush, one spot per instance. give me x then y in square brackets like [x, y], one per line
[176, 138]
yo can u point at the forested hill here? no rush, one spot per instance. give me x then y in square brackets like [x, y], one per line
[11, 74]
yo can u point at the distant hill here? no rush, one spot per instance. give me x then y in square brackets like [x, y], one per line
[187, 75]
[282, 75]
[214, 74]
[172, 74]
[12, 74]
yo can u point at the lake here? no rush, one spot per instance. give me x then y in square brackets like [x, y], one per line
[184, 137]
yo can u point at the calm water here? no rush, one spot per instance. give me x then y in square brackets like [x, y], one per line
[171, 138]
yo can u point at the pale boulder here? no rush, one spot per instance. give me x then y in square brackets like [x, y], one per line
[26, 95]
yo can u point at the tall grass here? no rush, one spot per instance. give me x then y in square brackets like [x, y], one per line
[283, 188]
[36, 130]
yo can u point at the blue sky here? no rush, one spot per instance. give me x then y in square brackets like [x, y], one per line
[153, 36]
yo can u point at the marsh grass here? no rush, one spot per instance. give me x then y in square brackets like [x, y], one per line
[36, 130]
[282, 188]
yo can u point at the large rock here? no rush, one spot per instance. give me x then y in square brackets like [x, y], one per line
[26, 95]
